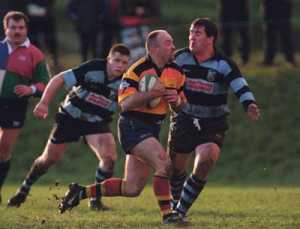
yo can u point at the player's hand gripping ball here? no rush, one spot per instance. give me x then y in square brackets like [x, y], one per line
[146, 84]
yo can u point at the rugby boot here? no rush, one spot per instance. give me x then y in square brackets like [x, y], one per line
[176, 219]
[18, 199]
[71, 198]
[95, 204]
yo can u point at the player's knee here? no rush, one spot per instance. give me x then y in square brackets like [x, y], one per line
[108, 161]
[213, 152]
[209, 152]
[49, 159]
[109, 158]
[164, 171]
[214, 155]
[133, 191]
[163, 167]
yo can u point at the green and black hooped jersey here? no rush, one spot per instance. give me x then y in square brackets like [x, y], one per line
[92, 98]
[208, 84]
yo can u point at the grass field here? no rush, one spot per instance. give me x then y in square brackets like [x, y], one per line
[218, 207]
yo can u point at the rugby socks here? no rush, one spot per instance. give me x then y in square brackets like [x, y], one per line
[4, 168]
[101, 175]
[109, 187]
[161, 188]
[112, 187]
[32, 176]
[191, 189]
[176, 182]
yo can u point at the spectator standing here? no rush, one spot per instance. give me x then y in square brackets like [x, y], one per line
[43, 26]
[110, 24]
[235, 17]
[136, 17]
[277, 18]
[86, 17]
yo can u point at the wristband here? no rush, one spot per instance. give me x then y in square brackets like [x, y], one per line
[33, 88]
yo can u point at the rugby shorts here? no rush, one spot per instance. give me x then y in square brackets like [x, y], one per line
[132, 131]
[186, 133]
[67, 129]
[12, 113]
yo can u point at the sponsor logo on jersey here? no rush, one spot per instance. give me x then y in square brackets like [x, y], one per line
[22, 58]
[199, 85]
[211, 75]
[98, 100]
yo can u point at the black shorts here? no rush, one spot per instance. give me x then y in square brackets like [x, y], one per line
[67, 129]
[12, 113]
[132, 131]
[186, 133]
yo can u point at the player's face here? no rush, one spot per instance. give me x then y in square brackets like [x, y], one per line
[166, 47]
[198, 39]
[16, 31]
[117, 63]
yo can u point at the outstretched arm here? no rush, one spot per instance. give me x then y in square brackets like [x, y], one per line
[41, 109]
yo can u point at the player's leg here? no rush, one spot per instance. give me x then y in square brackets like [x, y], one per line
[181, 142]
[7, 139]
[12, 118]
[205, 157]
[178, 174]
[245, 41]
[52, 153]
[152, 152]
[135, 178]
[61, 134]
[104, 146]
[270, 41]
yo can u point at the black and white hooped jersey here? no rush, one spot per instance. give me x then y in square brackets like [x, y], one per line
[92, 98]
[208, 83]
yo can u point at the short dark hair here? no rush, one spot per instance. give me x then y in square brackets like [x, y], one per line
[209, 26]
[16, 16]
[151, 40]
[121, 48]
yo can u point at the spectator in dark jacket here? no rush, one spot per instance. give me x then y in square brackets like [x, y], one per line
[235, 16]
[86, 16]
[43, 26]
[277, 17]
[110, 24]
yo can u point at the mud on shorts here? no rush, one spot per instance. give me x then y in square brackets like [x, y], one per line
[67, 129]
[12, 113]
[132, 131]
[187, 132]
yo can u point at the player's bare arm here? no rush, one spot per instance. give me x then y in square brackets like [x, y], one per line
[41, 109]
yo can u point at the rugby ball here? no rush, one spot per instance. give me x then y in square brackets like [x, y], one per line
[145, 84]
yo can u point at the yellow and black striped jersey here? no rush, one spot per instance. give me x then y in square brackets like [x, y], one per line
[171, 75]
